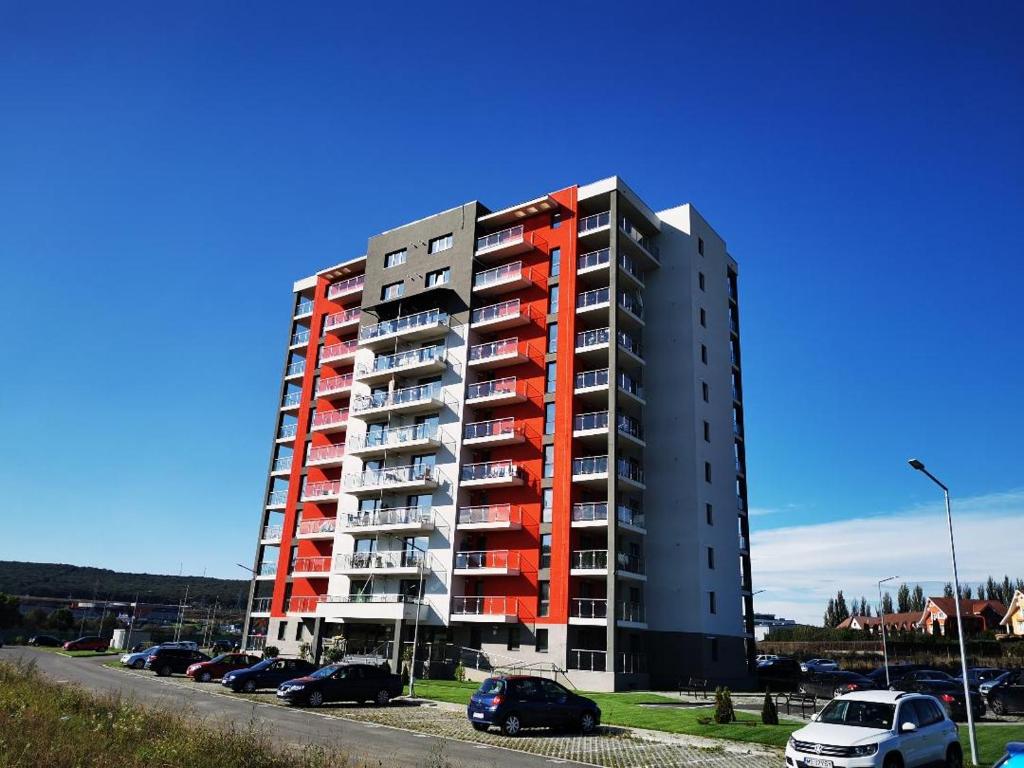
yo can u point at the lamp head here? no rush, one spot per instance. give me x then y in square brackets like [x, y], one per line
[916, 464]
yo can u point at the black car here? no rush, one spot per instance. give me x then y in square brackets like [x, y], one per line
[268, 673]
[978, 675]
[342, 682]
[950, 692]
[1008, 696]
[45, 641]
[514, 702]
[166, 661]
[826, 685]
[781, 674]
[896, 672]
[222, 646]
[920, 675]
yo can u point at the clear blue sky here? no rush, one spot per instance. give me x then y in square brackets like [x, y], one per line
[167, 171]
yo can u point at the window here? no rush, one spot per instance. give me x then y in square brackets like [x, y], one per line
[707, 432]
[707, 471]
[700, 245]
[542, 634]
[395, 258]
[549, 461]
[549, 418]
[703, 318]
[556, 220]
[439, 244]
[553, 300]
[711, 558]
[713, 647]
[547, 504]
[392, 291]
[709, 514]
[298, 629]
[704, 354]
[556, 261]
[513, 638]
[438, 277]
[550, 374]
[281, 629]
[712, 606]
[545, 550]
[553, 337]
[700, 280]
[705, 391]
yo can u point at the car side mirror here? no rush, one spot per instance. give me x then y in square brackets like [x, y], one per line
[908, 728]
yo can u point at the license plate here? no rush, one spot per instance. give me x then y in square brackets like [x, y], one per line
[478, 715]
[817, 762]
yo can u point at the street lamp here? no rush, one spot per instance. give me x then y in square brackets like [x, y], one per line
[881, 613]
[919, 466]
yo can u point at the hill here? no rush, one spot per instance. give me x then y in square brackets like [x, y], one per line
[62, 580]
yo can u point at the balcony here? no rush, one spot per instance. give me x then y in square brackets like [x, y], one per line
[270, 533]
[305, 605]
[260, 605]
[631, 472]
[591, 382]
[641, 242]
[334, 386]
[344, 319]
[291, 401]
[594, 424]
[320, 528]
[507, 277]
[287, 432]
[631, 519]
[593, 345]
[588, 562]
[409, 477]
[393, 563]
[282, 465]
[632, 304]
[295, 370]
[630, 428]
[490, 517]
[390, 519]
[376, 606]
[266, 570]
[312, 567]
[324, 490]
[377, 443]
[630, 344]
[418, 361]
[497, 354]
[631, 566]
[494, 432]
[627, 385]
[494, 610]
[299, 340]
[629, 268]
[598, 222]
[507, 242]
[325, 456]
[588, 611]
[594, 261]
[589, 514]
[334, 353]
[494, 562]
[491, 474]
[587, 660]
[330, 421]
[346, 287]
[304, 308]
[423, 397]
[432, 323]
[505, 314]
[590, 470]
[631, 615]
[277, 499]
[592, 301]
[496, 392]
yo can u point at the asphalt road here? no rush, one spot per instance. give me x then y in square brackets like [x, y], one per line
[390, 746]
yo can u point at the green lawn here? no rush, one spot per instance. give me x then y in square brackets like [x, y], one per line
[624, 709]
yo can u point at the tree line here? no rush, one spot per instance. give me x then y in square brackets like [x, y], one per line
[913, 600]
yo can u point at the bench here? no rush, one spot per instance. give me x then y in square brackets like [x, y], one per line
[806, 703]
[693, 686]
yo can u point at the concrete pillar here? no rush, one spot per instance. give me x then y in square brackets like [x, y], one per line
[396, 648]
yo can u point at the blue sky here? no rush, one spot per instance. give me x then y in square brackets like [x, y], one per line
[166, 172]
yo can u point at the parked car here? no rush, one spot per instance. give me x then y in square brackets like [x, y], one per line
[190, 645]
[137, 660]
[45, 641]
[217, 667]
[514, 702]
[1014, 757]
[827, 685]
[765, 657]
[781, 674]
[222, 646]
[898, 683]
[877, 728]
[342, 682]
[985, 688]
[87, 643]
[269, 673]
[166, 661]
[949, 691]
[1008, 695]
[896, 671]
[978, 675]
[819, 665]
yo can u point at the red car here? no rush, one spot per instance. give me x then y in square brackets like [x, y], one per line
[87, 643]
[217, 667]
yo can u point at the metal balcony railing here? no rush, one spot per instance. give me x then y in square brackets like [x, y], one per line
[393, 437]
[271, 532]
[276, 498]
[630, 468]
[494, 349]
[587, 421]
[633, 612]
[345, 287]
[372, 597]
[331, 385]
[632, 303]
[490, 470]
[388, 476]
[318, 453]
[266, 569]
[485, 606]
[590, 465]
[286, 431]
[629, 266]
[625, 561]
[644, 241]
[505, 237]
[304, 603]
[291, 399]
[594, 221]
[299, 338]
[482, 389]
[590, 559]
[588, 608]
[493, 428]
[282, 464]
[628, 384]
[255, 643]
[322, 525]
[380, 560]
[592, 298]
[596, 378]
[391, 516]
[403, 324]
[592, 338]
[629, 342]
[304, 307]
[332, 352]
[261, 605]
[587, 660]
[500, 311]
[490, 513]
[589, 511]
[401, 360]
[311, 565]
[336, 319]
[295, 369]
[629, 426]
[498, 275]
[330, 418]
[402, 396]
[593, 259]
[323, 489]
[630, 516]
[630, 663]
[493, 558]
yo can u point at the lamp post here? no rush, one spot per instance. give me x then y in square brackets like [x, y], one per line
[919, 466]
[881, 613]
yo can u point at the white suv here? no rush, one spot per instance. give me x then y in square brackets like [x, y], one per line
[883, 729]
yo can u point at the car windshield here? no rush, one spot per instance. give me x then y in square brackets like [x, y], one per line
[263, 664]
[218, 659]
[492, 686]
[150, 650]
[862, 714]
[324, 672]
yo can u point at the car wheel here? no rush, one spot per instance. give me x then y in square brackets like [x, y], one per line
[164, 671]
[479, 726]
[511, 725]
[587, 722]
[205, 677]
[249, 686]
[893, 761]
[954, 756]
[138, 664]
[383, 698]
[998, 708]
[315, 699]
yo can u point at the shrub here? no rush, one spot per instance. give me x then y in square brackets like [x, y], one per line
[460, 673]
[271, 652]
[333, 653]
[769, 712]
[306, 651]
[724, 713]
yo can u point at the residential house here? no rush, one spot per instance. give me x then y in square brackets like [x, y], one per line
[939, 616]
[1014, 618]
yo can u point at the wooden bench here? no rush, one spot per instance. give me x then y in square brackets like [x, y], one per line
[693, 686]
[804, 702]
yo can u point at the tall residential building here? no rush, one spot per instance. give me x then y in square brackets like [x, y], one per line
[516, 436]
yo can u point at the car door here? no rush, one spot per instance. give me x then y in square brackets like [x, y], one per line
[1013, 693]
[931, 726]
[559, 711]
[911, 742]
[530, 702]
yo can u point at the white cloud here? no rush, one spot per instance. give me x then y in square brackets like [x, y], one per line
[800, 567]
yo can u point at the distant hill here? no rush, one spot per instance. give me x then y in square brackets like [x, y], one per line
[62, 580]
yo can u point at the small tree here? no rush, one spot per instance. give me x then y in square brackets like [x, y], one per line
[10, 611]
[886, 603]
[903, 599]
[769, 712]
[724, 713]
[62, 620]
[271, 652]
[917, 601]
[947, 589]
[305, 651]
[460, 673]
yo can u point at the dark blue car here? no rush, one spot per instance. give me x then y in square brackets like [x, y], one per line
[514, 702]
[1014, 757]
[268, 673]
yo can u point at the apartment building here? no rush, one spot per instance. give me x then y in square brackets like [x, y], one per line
[515, 438]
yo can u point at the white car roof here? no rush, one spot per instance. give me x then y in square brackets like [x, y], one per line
[884, 697]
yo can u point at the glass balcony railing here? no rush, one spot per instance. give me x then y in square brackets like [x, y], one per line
[390, 476]
[302, 337]
[587, 379]
[493, 428]
[373, 597]
[500, 559]
[504, 386]
[595, 221]
[589, 511]
[266, 569]
[380, 560]
[503, 274]
[631, 612]
[588, 608]
[490, 470]
[630, 516]
[322, 453]
[393, 437]
[626, 561]
[397, 397]
[634, 234]
[500, 239]
[325, 419]
[345, 287]
[588, 660]
[304, 307]
[304, 603]
[495, 312]
[325, 489]
[632, 303]
[628, 384]
[296, 368]
[592, 338]
[493, 349]
[629, 266]
[590, 465]
[332, 385]
[337, 319]
[292, 399]
[314, 527]
[332, 352]
[485, 606]
[271, 533]
[403, 324]
[489, 513]
[261, 604]
[586, 421]
[629, 342]
[287, 431]
[311, 565]
[629, 426]
[282, 464]
[409, 516]
[593, 259]
[408, 359]
[592, 298]
[630, 469]
[589, 559]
